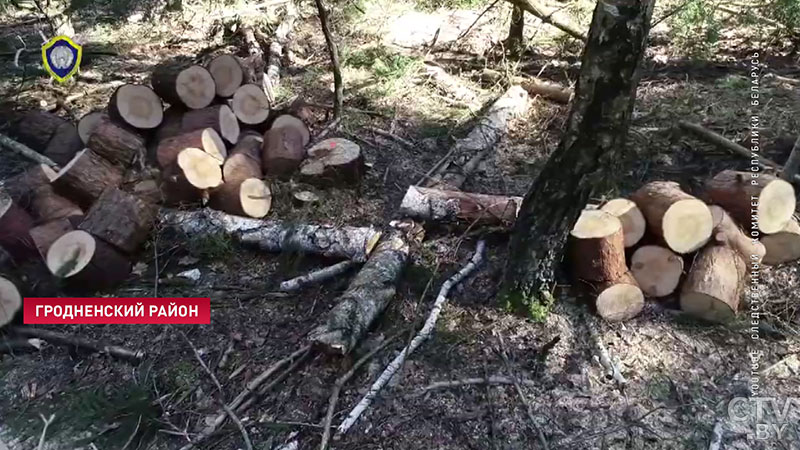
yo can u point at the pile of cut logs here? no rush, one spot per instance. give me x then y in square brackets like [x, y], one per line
[663, 240]
[85, 214]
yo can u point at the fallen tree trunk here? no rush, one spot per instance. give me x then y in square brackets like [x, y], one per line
[783, 246]
[452, 86]
[714, 285]
[120, 219]
[547, 17]
[365, 299]
[451, 206]
[736, 191]
[534, 86]
[80, 343]
[483, 137]
[355, 243]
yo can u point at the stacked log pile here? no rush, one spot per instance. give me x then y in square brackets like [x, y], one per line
[679, 244]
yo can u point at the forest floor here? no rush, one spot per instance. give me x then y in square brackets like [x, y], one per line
[681, 374]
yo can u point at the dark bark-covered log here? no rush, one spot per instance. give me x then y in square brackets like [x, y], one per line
[293, 120]
[244, 161]
[353, 243]
[15, 225]
[10, 301]
[175, 189]
[681, 220]
[218, 117]
[149, 191]
[283, 151]
[452, 206]
[593, 147]
[249, 197]
[598, 247]
[47, 205]
[333, 162]
[64, 144]
[633, 223]
[365, 298]
[783, 246]
[171, 125]
[86, 263]
[735, 191]
[88, 123]
[35, 129]
[205, 139]
[250, 104]
[548, 17]
[726, 232]
[191, 86]
[120, 219]
[116, 144]
[137, 106]
[715, 284]
[657, 270]
[534, 86]
[227, 73]
[488, 131]
[619, 299]
[44, 235]
[23, 186]
[85, 178]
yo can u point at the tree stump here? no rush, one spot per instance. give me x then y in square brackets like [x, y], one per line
[633, 223]
[137, 106]
[218, 117]
[726, 232]
[715, 284]
[227, 73]
[598, 249]
[250, 197]
[292, 121]
[116, 144]
[86, 263]
[619, 299]
[735, 191]
[451, 206]
[15, 224]
[332, 162]
[783, 246]
[283, 151]
[206, 139]
[120, 219]
[64, 144]
[681, 220]
[44, 235]
[88, 123]
[244, 161]
[10, 301]
[36, 128]
[657, 270]
[250, 105]
[191, 86]
[85, 178]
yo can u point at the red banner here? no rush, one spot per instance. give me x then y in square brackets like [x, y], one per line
[73, 311]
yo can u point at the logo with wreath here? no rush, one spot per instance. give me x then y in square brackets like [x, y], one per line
[61, 57]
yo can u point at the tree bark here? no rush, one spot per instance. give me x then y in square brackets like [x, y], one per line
[534, 86]
[85, 178]
[35, 129]
[44, 235]
[783, 246]
[15, 224]
[116, 144]
[86, 263]
[121, 219]
[516, 32]
[333, 51]
[715, 284]
[592, 149]
[437, 205]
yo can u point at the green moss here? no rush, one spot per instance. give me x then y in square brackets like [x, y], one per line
[212, 247]
[535, 307]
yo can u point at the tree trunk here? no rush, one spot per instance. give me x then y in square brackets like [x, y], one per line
[44, 235]
[547, 16]
[47, 205]
[88, 123]
[452, 206]
[121, 219]
[283, 151]
[591, 151]
[598, 247]
[218, 117]
[516, 32]
[333, 162]
[36, 128]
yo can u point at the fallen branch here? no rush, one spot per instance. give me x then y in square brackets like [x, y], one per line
[333, 51]
[354, 243]
[547, 17]
[534, 86]
[337, 389]
[389, 135]
[26, 151]
[317, 276]
[76, 342]
[47, 421]
[452, 86]
[424, 334]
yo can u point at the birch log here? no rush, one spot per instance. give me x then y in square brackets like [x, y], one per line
[438, 205]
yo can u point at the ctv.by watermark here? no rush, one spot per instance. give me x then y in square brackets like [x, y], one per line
[770, 418]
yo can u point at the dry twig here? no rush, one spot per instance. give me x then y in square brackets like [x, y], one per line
[317, 276]
[53, 337]
[333, 51]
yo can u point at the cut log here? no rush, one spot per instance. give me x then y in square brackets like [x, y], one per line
[44, 235]
[451, 206]
[598, 247]
[149, 191]
[250, 104]
[120, 219]
[244, 161]
[200, 169]
[633, 223]
[36, 128]
[250, 197]
[657, 270]
[333, 161]
[15, 224]
[451, 86]
[47, 205]
[481, 139]
[290, 120]
[783, 246]
[85, 178]
[353, 243]
[86, 263]
[681, 220]
[736, 191]
[171, 125]
[23, 186]
[726, 232]
[137, 106]
[620, 299]
[365, 298]
[206, 139]
[218, 117]
[116, 144]
[227, 73]
[533, 86]
[88, 123]
[191, 86]
[715, 284]
[64, 144]
[175, 189]
[10, 301]
[283, 151]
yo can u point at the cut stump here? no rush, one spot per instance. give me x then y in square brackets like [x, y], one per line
[283, 151]
[681, 220]
[598, 248]
[333, 161]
